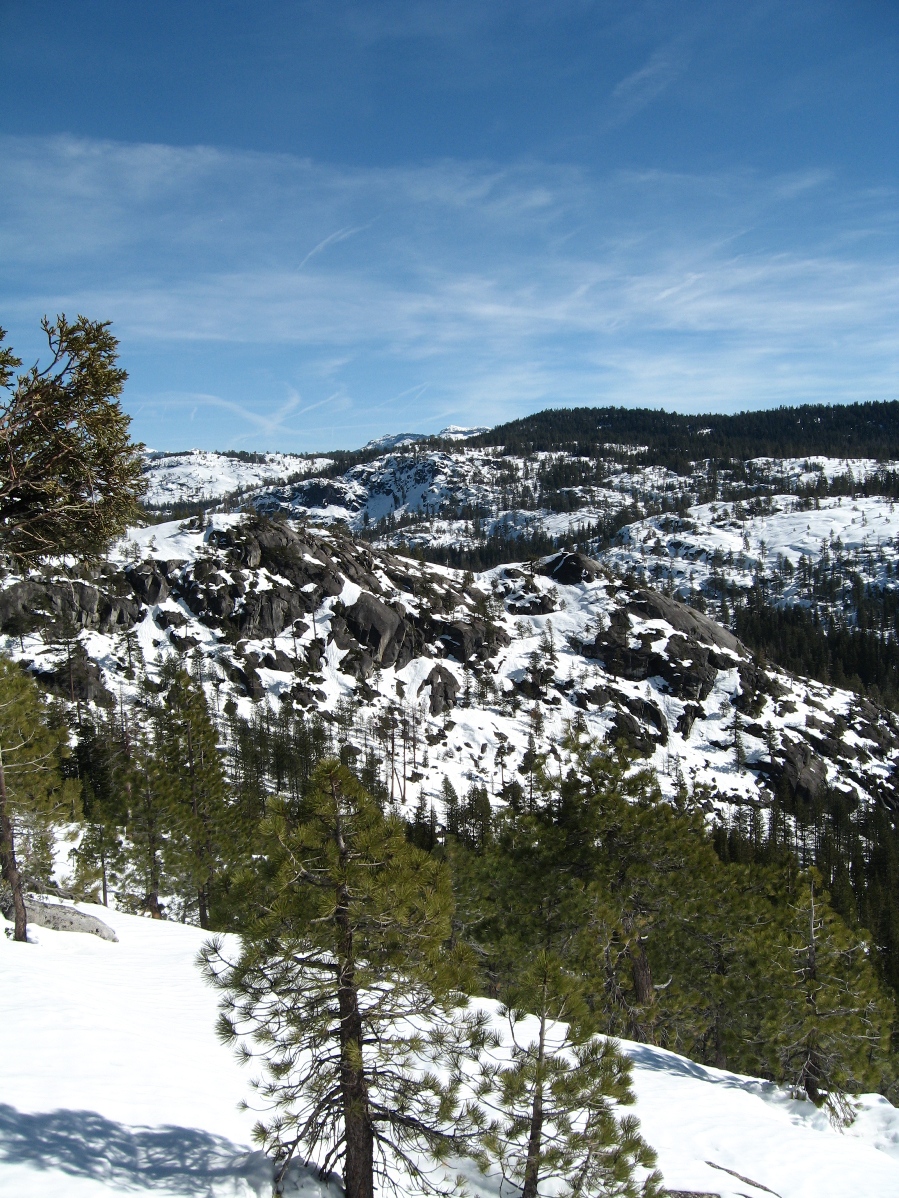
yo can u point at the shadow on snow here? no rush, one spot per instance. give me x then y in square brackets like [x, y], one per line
[85, 1144]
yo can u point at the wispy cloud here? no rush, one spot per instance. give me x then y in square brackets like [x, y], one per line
[464, 292]
[637, 90]
[331, 239]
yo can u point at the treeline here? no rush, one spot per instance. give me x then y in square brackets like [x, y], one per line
[835, 619]
[174, 803]
[674, 440]
[854, 847]
[798, 639]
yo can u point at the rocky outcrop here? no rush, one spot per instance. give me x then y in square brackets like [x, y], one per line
[803, 771]
[652, 605]
[61, 919]
[443, 690]
[376, 627]
[569, 569]
[148, 581]
[474, 638]
[77, 679]
[687, 661]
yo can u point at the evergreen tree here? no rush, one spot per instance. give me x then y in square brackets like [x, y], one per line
[718, 966]
[556, 1102]
[646, 859]
[70, 479]
[452, 809]
[32, 791]
[344, 986]
[204, 827]
[828, 1029]
[541, 935]
[148, 828]
[101, 754]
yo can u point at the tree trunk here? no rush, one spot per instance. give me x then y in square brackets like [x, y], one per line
[641, 978]
[8, 866]
[641, 974]
[720, 1054]
[359, 1161]
[152, 899]
[535, 1137]
[358, 1178]
[811, 1069]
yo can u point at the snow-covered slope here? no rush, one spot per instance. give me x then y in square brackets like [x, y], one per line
[113, 1084]
[199, 475]
[470, 669]
[763, 515]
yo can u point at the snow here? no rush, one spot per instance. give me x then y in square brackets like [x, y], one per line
[452, 432]
[200, 475]
[115, 1084]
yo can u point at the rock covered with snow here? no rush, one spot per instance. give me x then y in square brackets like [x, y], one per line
[279, 611]
[61, 918]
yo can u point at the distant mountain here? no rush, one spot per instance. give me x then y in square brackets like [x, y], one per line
[452, 432]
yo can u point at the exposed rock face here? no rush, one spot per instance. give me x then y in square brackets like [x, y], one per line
[803, 771]
[570, 568]
[443, 689]
[62, 919]
[652, 605]
[473, 638]
[77, 680]
[530, 605]
[148, 582]
[627, 663]
[687, 661]
[375, 627]
[76, 604]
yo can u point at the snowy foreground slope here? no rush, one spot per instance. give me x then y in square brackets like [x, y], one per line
[113, 1083]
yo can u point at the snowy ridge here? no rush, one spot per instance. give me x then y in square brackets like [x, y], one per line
[114, 1083]
[200, 476]
[274, 612]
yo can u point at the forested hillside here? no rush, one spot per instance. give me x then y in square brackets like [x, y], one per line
[670, 439]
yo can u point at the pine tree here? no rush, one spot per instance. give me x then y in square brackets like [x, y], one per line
[556, 1102]
[101, 753]
[148, 827]
[540, 933]
[70, 479]
[31, 788]
[644, 857]
[344, 986]
[828, 1028]
[452, 809]
[718, 968]
[204, 826]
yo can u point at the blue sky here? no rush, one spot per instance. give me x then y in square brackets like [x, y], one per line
[315, 222]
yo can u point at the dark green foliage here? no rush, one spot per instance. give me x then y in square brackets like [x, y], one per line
[70, 478]
[839, 430]
[275, 752]
[345, 984]
[205, 828]
[32, 792]
[556, 1120]
[861, 657]
[670, 942]
[101, 756]
[826, 1032]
